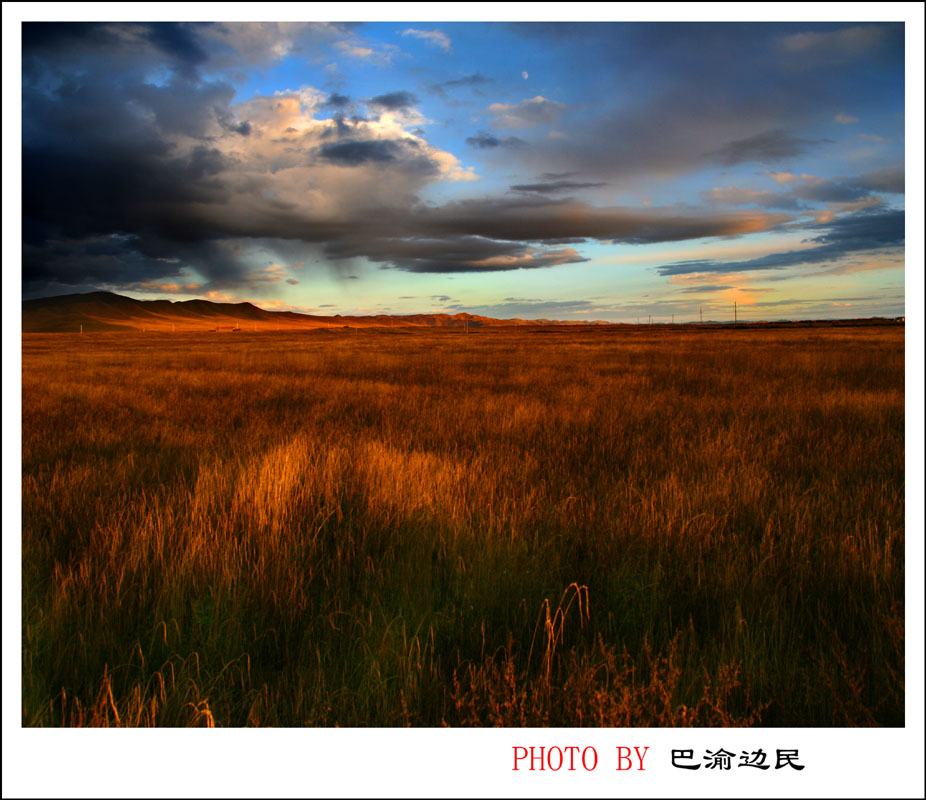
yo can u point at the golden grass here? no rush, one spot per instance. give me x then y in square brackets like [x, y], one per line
[614, 527]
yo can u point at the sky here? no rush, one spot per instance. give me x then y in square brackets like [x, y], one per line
[574, 171]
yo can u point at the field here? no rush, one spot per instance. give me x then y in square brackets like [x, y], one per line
[615, 527]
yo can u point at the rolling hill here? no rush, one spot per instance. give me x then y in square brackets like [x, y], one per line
[105, 311]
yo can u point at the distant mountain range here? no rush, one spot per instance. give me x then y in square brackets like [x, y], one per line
[105, 311]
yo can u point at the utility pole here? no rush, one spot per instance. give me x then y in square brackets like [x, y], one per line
[734, 312]
[81, 330]
[701, 313]
[673, 319]
[650, 319]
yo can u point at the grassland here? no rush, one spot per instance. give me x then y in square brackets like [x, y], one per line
[594, 527]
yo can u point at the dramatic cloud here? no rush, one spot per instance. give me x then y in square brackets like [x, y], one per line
[495, 235]
[162, 158]
[806, 188]
[452, 253]
[843, 189]
[140, 181]
[537, 219]
[841, 237]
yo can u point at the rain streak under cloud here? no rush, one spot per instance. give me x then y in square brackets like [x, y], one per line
[606, 170]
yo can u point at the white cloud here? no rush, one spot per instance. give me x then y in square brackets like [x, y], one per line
[435, 37]
[844, 119]
[525, 75]
[284, 157]
[354, 50]
[365, 52]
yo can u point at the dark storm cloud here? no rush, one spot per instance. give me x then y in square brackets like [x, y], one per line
[177, 39]
[125, 181]
[449, 253]
[668, 132]
[393, 101]
[100, 158]
[766, 147]
[336, 100]
[683, 106]
[353, 154]
[404, 154]
[545, 219]
[492, 234]
[487, 141]
[556, 186]
[840, 237]
[51, 42]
